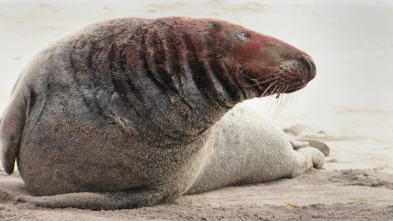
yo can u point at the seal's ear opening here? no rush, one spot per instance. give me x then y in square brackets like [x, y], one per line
[213, 25]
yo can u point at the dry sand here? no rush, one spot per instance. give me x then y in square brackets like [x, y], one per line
[348, 105]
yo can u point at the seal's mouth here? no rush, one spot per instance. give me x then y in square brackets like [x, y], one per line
[299, 74]
[288, 77]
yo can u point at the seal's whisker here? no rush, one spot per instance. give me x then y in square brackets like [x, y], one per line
[277, 110]
[267, 80]
[268, 75]
[290, 99]
[249, 77]
[293, 96]
[262, 82]
[278, 92]
[285, 88]
[282, 102]
[271, 84]
[287, 97]
[267, 88]
[297, 94]
[275, 89]
[282, 99]
[271, 102]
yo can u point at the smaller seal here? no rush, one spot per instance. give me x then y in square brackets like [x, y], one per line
[136, 112]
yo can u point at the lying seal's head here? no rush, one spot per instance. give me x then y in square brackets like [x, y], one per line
[246, 63]
[265, 64]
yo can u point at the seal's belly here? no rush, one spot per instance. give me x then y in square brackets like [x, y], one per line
[60, 146]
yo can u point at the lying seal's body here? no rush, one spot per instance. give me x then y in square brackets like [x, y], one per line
[130, 112]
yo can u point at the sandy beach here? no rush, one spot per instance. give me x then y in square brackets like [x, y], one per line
[348, 105]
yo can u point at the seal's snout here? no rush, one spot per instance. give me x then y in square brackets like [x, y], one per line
[309, 63]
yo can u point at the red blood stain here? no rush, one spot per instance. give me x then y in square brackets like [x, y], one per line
[132, 56]
[257, 42]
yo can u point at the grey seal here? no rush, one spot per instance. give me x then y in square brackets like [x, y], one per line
[136, 112]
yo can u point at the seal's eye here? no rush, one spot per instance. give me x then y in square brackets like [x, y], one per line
[242, 35]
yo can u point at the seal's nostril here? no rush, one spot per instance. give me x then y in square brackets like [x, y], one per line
[310, 66]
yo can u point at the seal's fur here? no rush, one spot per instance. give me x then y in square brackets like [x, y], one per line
[129, 113]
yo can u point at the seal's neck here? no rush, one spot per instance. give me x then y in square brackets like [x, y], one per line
[175, 90]
[166, 89]
[156, 83]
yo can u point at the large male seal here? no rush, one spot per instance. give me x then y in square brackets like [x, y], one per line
[135, 112]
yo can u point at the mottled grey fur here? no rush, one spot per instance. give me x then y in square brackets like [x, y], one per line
[84, 138]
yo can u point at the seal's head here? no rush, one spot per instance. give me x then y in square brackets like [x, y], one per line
[219, 62]
[265, 65]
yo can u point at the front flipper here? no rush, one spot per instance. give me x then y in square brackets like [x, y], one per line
[324, 148]
[308, 153]
[306, 158]
[298, 143]
[100, 201]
